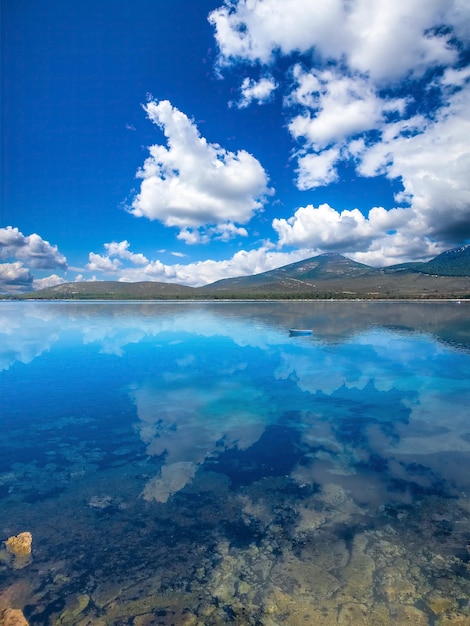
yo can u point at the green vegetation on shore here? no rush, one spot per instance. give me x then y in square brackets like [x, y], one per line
[322, 277]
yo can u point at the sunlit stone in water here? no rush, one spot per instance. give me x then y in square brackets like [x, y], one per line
[192, 463]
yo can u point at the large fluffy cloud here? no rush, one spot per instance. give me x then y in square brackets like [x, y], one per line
[385, 39]
[193, 184]
[431, 158]
[433, 164]
[21, 253]
[343, 106]
[15, 277]
[381, 85]
[380, 238]
[31, 249]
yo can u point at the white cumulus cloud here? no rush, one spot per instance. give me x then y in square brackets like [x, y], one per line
[242, 263]
[121, 249]
[380, 85]
[111, 262]
[380, 238]
[15, 277]
[192, 184]
[433, 165]
[387, 40]
[342, 106]
[23, 253]
[32, 249]
[47, 281]
[102, 263]
[317, 170]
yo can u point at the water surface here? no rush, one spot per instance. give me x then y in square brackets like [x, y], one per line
[190, 463]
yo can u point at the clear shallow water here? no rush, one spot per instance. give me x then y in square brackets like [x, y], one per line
[181, 463]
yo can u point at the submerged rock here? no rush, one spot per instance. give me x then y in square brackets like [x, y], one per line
[14, 617]
[76, 605]
[18, 550]
[453, 619]
[408, 615]
[20, 545]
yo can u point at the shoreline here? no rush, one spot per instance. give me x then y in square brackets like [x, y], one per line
[456, 300]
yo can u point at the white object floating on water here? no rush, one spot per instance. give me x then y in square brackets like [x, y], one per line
[299, 332]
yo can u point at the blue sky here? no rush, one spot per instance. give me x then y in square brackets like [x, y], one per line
[191, 141]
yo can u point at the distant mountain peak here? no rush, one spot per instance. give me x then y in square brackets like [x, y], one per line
[325, 275]
[453, 262]
[455, 252]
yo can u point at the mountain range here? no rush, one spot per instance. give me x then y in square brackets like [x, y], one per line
[328, 275]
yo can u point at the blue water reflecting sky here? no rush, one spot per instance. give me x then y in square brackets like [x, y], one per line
[374, 403]
[202, 374]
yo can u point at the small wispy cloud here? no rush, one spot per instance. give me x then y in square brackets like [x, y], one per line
[255, 91]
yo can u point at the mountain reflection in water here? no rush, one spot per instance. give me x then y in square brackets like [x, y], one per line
[190, 463]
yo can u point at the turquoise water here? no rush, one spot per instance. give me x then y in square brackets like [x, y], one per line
[190, 463]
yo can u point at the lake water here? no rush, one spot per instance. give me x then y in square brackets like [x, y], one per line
[191, 463]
